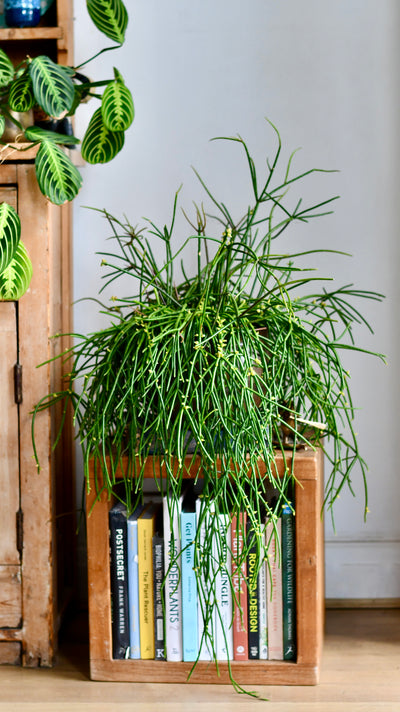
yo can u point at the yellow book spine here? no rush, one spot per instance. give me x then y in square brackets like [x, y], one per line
[146, 588]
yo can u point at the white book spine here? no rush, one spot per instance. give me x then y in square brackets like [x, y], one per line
[203, 592]
[173, 588]
[224, 612]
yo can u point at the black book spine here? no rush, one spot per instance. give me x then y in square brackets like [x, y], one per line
[288, 584]
[253, 599]
[158, 576]
[119, 582]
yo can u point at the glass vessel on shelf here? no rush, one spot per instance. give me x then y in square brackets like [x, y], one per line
[22, 13]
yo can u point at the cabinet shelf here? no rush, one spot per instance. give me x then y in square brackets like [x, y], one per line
[21, 152]
[308, 469]
[30, 34]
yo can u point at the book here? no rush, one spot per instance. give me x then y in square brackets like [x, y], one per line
[253, 610]
[146, 529]
[119, 581]
[288, 583]
[189, 581]
[206, 587]
[158, 577]
[133, 582]
[274, 591]
[223, 592]
[239, 573]
[262, 605]
[173, 584]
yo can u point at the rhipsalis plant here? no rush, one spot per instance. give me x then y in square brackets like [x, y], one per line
[223, 366]
[53, 93]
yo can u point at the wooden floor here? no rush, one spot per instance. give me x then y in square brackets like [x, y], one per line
[360, 673]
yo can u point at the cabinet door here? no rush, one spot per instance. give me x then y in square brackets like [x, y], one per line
[10, 576]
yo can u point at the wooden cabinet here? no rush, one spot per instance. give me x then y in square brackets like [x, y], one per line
[308, 471]
[36, 509]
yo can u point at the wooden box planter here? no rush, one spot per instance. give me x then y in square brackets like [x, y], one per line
[309, 586]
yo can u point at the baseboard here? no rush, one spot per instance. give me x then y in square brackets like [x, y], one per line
[362, 603]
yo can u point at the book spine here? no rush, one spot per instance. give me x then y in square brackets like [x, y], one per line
[119, 583]
[146, 587]
[223, 592]
[274, 592]
[253, 609]
[206, 613]
[262, 587]
[239, 573]
[288, 584]
[133, 589]
[158, 577]
[189, 588]
[173, 586]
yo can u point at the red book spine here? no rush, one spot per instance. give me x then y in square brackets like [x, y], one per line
[240, 638]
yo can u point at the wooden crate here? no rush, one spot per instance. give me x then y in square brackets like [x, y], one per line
[309, 587]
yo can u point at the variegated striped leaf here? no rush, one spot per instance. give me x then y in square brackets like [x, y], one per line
[2, 125]
[117, 105]
[110, 17]
[15, 279]
[10, 232]
[99, 144]
[36, 133]
[57, 176]
[20, 97]
[6, 69]
[52, 85]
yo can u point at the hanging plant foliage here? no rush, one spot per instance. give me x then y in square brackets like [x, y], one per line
[10, 233]
[37, 134]
[117, 107]
[57, 91]
[110, 17]
[15, 279]
[6, 69]
[99, 144]
[52, 85]
[21, 96]
[57, 176]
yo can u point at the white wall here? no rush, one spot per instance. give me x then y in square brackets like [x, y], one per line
[326, 73]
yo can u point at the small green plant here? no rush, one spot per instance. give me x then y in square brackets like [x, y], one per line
[227, 365]
[57, 91]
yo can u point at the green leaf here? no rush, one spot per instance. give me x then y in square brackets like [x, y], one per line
[36, 133]
[110, 17]
[21, 96]
[6, 69]
[99, 144]
[2, 125]
[52, 85]
[117, 105]
[10, 233]
[15, 279]
[57, 176]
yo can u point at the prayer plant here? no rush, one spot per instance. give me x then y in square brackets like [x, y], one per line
[225, 365]
[54, 92]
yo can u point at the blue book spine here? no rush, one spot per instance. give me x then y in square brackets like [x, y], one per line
[133, 584]
[189, 588]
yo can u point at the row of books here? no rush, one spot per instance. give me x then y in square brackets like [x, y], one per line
[177, 593]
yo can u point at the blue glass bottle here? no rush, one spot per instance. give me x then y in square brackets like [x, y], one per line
[22, 13]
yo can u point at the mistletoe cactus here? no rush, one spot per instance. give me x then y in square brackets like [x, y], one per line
[57, 91]
[219, 363]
